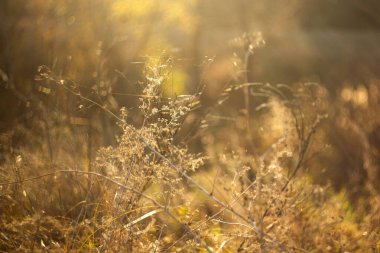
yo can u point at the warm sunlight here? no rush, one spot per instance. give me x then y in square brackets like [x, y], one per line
[189, 126]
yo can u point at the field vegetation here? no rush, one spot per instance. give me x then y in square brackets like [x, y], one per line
[189, 126]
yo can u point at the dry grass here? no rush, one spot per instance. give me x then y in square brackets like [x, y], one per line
[246, 192]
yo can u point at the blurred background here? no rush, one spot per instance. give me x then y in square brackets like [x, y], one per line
[101, 47]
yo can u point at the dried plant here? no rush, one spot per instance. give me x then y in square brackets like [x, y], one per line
[149, 193]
